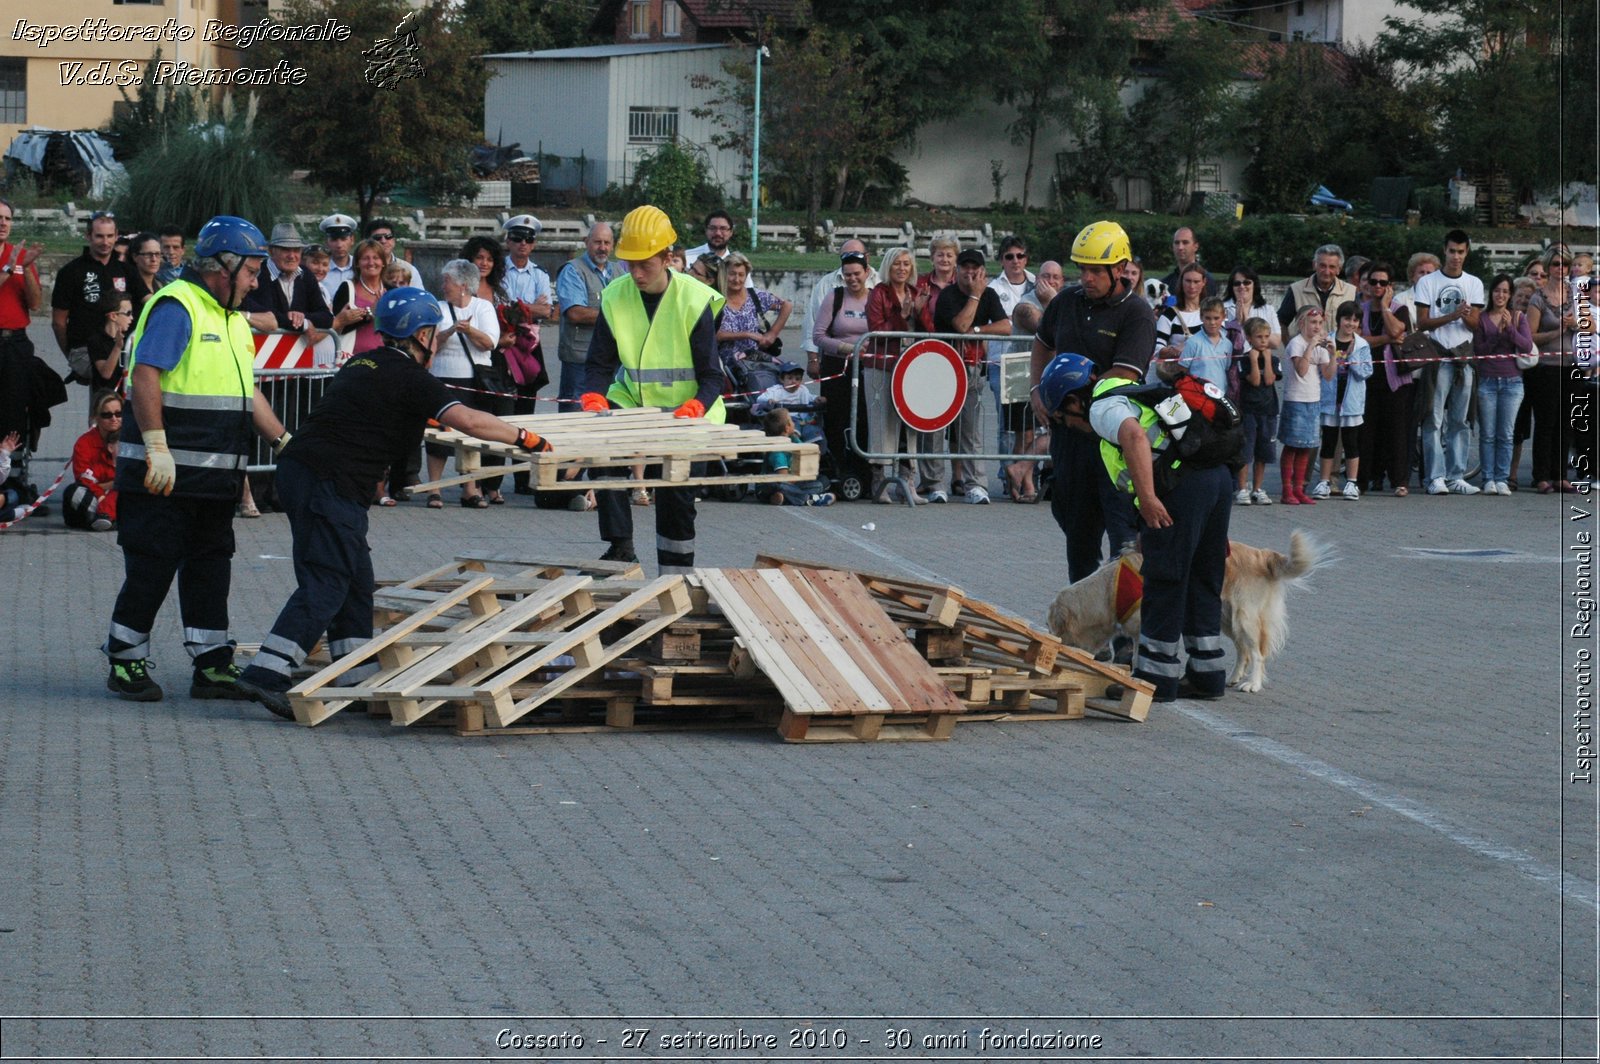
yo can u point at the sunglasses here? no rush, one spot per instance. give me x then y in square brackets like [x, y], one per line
[97, 215]
[1374, 282]
[1240, 282]
[520, 238]
[110, 415]
[851, 256]
[1013, 256]
[383, 236]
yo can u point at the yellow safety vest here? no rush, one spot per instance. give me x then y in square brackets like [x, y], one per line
[206, 399]
[657, 368]
[1149, 421]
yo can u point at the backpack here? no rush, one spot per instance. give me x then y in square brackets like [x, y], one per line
[1203, 426]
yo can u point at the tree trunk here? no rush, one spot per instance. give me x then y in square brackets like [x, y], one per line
[1027, 173]
[841, 181]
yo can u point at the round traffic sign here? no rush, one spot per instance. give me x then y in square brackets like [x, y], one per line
[929, 385]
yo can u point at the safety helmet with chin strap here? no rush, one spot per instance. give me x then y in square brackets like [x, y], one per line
[1066, 373]
[403, 312]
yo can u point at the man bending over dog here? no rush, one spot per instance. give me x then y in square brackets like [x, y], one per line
[1168, 445]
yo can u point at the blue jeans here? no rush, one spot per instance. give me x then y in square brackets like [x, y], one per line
[1498, 400]
[1444, 426]
[570, 386]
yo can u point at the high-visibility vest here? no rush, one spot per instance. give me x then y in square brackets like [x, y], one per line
[1149, 422]
[206, 400]
[657, 368]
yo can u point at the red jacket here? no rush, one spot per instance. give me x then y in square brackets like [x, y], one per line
[94, 465]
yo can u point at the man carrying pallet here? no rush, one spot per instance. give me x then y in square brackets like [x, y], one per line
[654, 344]
[372, 415]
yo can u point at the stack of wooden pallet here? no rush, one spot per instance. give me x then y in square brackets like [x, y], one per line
[675, 451]
[501, 644]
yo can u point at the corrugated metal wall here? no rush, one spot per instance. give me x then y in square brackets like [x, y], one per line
[559, 106]
[661, 79]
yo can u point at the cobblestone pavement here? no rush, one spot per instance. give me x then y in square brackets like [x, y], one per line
[1384, 836]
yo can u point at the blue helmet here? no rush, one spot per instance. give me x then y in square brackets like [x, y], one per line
[225, 233]
[402, 311]
[1065, 374]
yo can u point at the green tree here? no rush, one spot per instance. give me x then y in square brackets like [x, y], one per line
[1487, 67]
[1385, 127]
[187, 175]
[1182, 117]
[815, 138]
[1285, 123]
[363, 139]
[677, 181]
[151, 113]
[530, 25]
[1070, 74]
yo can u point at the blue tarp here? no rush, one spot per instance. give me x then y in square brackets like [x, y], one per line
[87, 154]
[1323, 198]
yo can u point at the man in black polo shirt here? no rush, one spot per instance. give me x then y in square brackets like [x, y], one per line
[968, 306]
[374, 411]
[1101, 319]
[74, 303]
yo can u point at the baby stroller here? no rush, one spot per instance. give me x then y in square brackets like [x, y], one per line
[28, 389]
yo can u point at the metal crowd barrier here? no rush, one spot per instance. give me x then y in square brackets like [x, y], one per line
[1008, 416]
[292, 393]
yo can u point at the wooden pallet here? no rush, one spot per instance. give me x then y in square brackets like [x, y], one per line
[950, 627]
[845, 672]
[620, 440]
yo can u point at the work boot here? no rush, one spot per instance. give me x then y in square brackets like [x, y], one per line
[620, 551]
[131, 680]
[219, 681]
[262, 685]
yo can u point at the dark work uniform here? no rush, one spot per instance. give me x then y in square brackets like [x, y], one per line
[77, 289]
[1113, 332]
[375, 408]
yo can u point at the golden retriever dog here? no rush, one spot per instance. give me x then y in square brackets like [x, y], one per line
[1084, 614]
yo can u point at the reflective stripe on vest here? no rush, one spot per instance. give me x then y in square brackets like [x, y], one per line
[1149, 421]
[206, 399]
[657, 367]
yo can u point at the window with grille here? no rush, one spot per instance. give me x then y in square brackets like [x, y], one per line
[639, 18]
[671, 19]
[652, 125]
[13, 91]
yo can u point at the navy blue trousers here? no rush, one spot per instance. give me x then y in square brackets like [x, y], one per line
[163, 538]
[333, 574]
[1184, 566]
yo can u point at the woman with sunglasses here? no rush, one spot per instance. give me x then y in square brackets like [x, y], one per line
[1245, 300]
[90, 503]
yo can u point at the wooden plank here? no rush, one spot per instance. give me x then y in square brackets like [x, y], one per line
[797, 689]
[875, 691]
[790, 637]
[300, 696]
[671, 598]
[909, 675]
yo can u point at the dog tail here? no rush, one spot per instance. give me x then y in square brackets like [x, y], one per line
[1306, 553]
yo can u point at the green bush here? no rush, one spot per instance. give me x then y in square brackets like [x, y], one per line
[679, 182]
[189, 176]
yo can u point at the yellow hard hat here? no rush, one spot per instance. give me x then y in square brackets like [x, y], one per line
[646, 231]
[1101, 244]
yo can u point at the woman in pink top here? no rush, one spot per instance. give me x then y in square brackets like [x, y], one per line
[841, 321]
[356, 299]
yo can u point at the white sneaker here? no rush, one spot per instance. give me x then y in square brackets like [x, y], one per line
[1436, 487]
[1260, 498]
[936, 496]
[1461, 487]
[1489, 488]
[1241, 497]
[977, 496]
[1502, 488]
[1322, 490]
[1351, 491]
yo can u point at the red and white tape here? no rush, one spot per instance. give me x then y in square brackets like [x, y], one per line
[22, 514]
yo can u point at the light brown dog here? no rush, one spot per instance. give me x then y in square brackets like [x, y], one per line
[1084, 614]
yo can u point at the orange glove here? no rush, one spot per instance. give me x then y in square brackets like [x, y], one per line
[594, 402]
[693, 408]
[532, 441]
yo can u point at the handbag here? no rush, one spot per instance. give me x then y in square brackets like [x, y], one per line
[769, 318]
[1529, 360]
[1416, 352]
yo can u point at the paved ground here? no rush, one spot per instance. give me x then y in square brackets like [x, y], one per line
[1385, 837]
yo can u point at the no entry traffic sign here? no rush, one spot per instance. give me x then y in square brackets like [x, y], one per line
[929, 385]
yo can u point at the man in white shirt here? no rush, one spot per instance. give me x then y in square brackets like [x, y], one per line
[719, 231]
[524, 279]
[823, 290]
[339, 237]
[1448, 303]
[1011, 285]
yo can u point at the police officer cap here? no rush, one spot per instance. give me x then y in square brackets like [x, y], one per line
[337, 225]
[523, 225]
